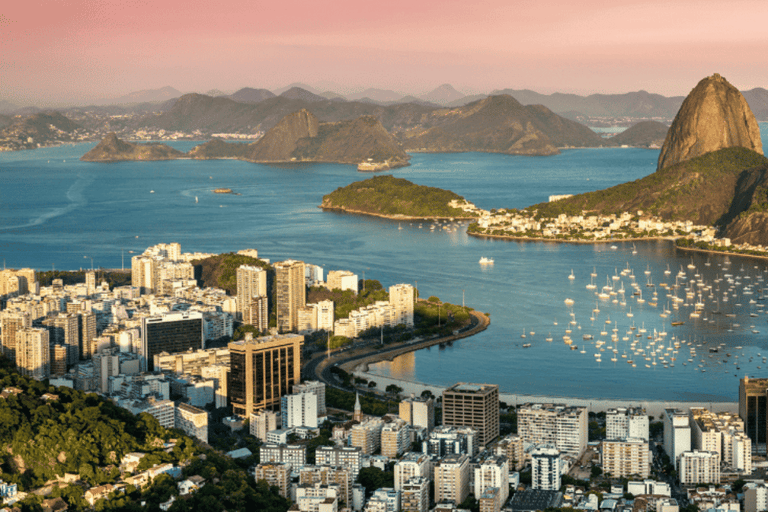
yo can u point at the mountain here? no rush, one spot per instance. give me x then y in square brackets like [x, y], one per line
[703, 189]
[5, 121]
[645, 134]
[377, 95]
[215, 92]
[640, 104]
[6, 107]
[297, 93]
[145, 96]
[442, 95]
[498, 124]
[37, 129]
[112, 149]
[466, 100]
[330, 95]
[300, 85]
[713, 116]
[249, 95]
[758, 101]
[300, 137]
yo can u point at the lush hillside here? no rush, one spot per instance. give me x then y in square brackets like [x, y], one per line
[701, 190]
[220, 271]
[393, 197]
[644, 134]
[112, 149]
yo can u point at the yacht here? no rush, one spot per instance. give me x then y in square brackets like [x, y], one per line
[486, 261]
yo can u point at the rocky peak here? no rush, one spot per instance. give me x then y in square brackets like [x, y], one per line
[713, 116]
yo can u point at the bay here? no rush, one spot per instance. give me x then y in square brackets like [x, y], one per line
[58, 212]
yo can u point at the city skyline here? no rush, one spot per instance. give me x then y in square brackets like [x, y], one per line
[75, 51]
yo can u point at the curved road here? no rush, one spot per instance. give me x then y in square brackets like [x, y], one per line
[320, 366]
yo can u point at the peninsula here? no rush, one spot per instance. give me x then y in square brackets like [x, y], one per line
[398, 198]
[710, 186]
[112, 149]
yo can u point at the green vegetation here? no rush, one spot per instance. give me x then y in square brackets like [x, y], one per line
[345, 400]
[433, 317]
[390, 196]
[373, 478]
[344, 302]
[83, 434]
[700, 189]
[113, 278]
[220, 271]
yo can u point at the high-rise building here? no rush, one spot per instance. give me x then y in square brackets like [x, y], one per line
[752, 409]
[722, 433]
[513, 448]
[316, 387]
[299, 410]
[492, 471]
[350, 457]
[626, 457]
[10, 323]
[473, 405]
[192, 421]
[367, 435]
[262, 422]
[58, 354]
[342, 280]
[143, 273]
[546, 469]
[677, 434]
[414, 495]
[402, 298]
[172, 333]
[65, 330]
[556, 425]
[418, 411]
[490, 500]
[451, 477]
[329, 475]
[412, 465]
[395, 438]
[256, 313]
[451, 440]
[87, 333]
[14, 283]
[624, 422]
[697, 467]
[262, 371]
[277, 474]
[251, 282]
[33, 353]
[295, 455]
[291, 293]
[90, 282]
[325, 315]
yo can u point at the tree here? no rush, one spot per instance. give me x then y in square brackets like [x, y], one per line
[470, 504]
[596, 471]
[394, 390]
[373, 478]
[427, 394]
[372, 384]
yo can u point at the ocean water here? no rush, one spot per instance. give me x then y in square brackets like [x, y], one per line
[58, 212]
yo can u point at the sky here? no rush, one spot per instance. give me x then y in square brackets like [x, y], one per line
[75, 51]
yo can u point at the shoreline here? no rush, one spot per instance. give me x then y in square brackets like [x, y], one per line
[386, 216]
[725, 253]
[565, 241]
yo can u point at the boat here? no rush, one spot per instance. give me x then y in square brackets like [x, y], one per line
[195, 198]
[486, 261]
[526, 345]
[571, 276]
[569, 302]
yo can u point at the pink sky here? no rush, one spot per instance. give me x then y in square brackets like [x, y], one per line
[62, 50]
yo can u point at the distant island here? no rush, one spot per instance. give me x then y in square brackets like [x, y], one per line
[398, 198]
[112, 149]
[298, 137]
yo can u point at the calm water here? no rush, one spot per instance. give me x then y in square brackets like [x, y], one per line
[56, 211]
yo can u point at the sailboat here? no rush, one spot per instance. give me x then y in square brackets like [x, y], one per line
[195, 199]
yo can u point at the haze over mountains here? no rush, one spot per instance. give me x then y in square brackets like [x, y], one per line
[639, 105]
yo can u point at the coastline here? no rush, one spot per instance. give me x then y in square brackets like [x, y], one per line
[561, 240]
[726, 253]
[385, 216]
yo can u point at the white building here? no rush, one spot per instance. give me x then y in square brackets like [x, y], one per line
[556, 425]
[192, 421]
[412, 465]
[697, 467]
[342, 280]
[492, 471]
[295, 455]
[402, 297]
[350, 457]
[418, 411]
[677, 434]
[316, 387]
[625, 458]
[299, 410]
[622, 423]
[546, 469]
[649, 487]
[262, 422]
[389, 497]
[414, 495]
